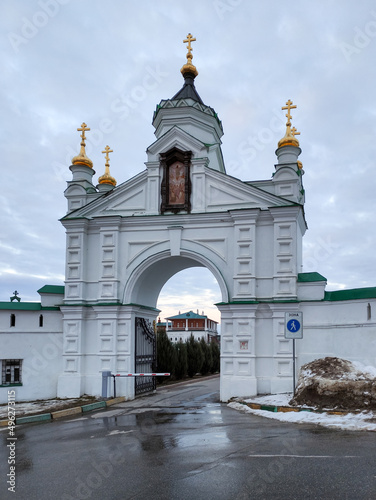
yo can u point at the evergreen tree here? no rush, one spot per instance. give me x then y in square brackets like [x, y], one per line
[181, 360]
[195, 356]
[216, 356]
[166, 355]
[208, 358]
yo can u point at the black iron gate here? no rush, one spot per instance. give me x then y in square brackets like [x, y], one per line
[145, 356]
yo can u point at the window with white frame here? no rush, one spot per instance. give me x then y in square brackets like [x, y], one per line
[11, 371]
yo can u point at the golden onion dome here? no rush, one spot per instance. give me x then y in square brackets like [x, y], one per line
[106, 178]
[81, 158]
[289, 139]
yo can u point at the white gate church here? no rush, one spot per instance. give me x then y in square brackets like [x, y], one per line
[124, 243]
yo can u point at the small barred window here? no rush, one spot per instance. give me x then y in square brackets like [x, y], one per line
[11, 371]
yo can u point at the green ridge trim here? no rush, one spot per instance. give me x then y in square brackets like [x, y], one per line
[352, 294]
[253, 302]
[56, 289]
[310, 277]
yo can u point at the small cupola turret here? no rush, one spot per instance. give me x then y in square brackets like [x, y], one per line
[186, 123]
[80, 189]
[289, 170]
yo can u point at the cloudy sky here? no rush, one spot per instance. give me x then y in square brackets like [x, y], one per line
[110, 62]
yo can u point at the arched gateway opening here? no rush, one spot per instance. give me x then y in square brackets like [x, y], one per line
[147, 281]
[142, 291]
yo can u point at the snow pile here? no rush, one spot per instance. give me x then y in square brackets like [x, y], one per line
[336, 383]
[365, 421]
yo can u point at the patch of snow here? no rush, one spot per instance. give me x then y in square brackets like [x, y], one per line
[369, 371]
[349, 422]
[271, 399]
[29, 408]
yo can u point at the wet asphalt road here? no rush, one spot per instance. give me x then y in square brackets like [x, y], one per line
[183, 444]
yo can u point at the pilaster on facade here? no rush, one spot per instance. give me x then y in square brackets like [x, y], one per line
[113, 342]
[198, 180]
[153, 188]
[287, 252]
[109, 247]
[238, 363]
[244, 254]
[76, 263]
[71, 380]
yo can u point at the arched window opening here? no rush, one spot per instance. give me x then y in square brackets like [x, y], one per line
[369, 311]
[41, 320]
[12, 320]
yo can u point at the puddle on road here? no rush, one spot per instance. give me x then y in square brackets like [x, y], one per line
[189, 439]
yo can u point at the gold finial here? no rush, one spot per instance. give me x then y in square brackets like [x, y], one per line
[289, 106]
[188, 40]
[189, 67]
[289, 139]
[106, 178]
[106, 151]
[81, 158]
[294, 131]
[83, 129]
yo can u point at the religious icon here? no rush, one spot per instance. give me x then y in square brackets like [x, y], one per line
[176, 183]
[176, 179]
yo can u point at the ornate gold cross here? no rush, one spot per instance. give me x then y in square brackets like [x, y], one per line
[107, 150]
[294, 131]
[289, 107]
[188, 40]
[83, 129]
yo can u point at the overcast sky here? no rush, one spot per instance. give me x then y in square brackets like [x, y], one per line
[110, 62]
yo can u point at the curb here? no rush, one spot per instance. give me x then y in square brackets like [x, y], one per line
[47, 417]
[66, 412]
[34, 418]
[114, 401]
[93, 406]
[285, 409]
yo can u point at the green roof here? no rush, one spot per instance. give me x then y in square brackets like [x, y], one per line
[310, 277]
[26, 306]
[187, 315]
[353, 294]
[52, 289]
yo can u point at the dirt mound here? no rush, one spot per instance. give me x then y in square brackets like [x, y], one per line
[336, 383]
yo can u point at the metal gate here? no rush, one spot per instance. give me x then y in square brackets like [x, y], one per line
[145, 356]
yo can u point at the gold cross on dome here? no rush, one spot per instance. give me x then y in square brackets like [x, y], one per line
[289, 106]
[84, 128]
[188, 40]
[106, 151]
